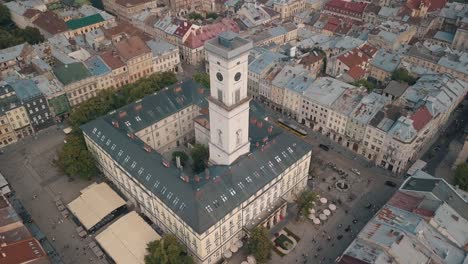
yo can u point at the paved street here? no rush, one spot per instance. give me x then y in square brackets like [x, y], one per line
[28, 167]
[366, 188]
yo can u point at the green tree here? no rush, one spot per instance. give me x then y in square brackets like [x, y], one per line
[461, 176]
[30, 35]
[365, 83]
[403, 75]
[212, 15]
[74, 159]
[5, 16]
[7, 39]
[183, 157]
[195, 16]
[259, 244]
[200, 155]
[202, 78]
[167, 250]
[304, 203]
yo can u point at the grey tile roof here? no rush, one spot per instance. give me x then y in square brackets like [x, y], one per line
[26, 89]
[220, 188]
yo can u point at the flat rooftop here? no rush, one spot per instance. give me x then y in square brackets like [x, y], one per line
[326, 90]
[228, 45]
[126, 239]
[95, 202]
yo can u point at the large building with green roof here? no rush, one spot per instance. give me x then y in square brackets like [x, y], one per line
[210, 211]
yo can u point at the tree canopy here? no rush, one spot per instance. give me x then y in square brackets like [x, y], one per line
[195, 16]
[202, 78]
[259, 245]
[10, 35]
[404, 76]
[365, 83]
[305, 202]
[167, 250]
[74, 158]
[212, 15]
[461, 176]
[200, 155]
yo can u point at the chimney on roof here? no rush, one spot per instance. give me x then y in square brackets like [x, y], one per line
[115, 124]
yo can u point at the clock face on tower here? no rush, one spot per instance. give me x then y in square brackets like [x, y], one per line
[219, 76]
[237, 76]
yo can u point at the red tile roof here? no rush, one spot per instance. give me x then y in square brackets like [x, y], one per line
[14, 235]
[182, 27]
[50, 22]
[433, 4]
[421, 117]
[112, 59]
[357, 56]
[354, 7]
[131, 48]
[30, 13]
[357, 72]
[198, 37]
[405, 201]
[24, 251]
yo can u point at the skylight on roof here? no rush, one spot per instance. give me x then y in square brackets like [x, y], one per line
[241, 185]
[256, 174]
[248, 179]
[137, 118]
[232, 192]
[127, 158]
[134, 164]
[140, 171]
[270, 164]
[113, 146]
[163, 190]
[176, 200]
[148, 177]
[94, 130]
[103, 138]
[120, 153]
[182, 206]
[223, 197]
[108, 142]
[209, 209]
[156, 184]
[169, 195]
[127, 123]
[290, 150]
[284, 153]
[277, 158]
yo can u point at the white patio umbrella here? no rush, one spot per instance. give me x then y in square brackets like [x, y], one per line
[323, 217]
[323, 200]
[251, 259]
[326, 212]
[332, 207]
[244, 262]
[312, 216]
[316, 221]
[312, 211]
[227, 254]
[234, 248]
[239, 244]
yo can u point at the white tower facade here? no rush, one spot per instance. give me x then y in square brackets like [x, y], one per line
[228, 103]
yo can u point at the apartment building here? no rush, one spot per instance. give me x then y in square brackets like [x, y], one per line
[7, 133]
[287, 8]
[17, 116]
[35, 103]
[254, 14]
[317, 101]
[279, 84]
[341, 8]
[211, 211]
[173, 30]
[119, 70]
[420, 223]
[17, 55]
[193, 48]
[259, 68]
[85, 24]
[165, 56]
[137, 56]
[422, 59]
[383, 65]
[352, 60]
[279, 35]
[125, 9]
[391, 35]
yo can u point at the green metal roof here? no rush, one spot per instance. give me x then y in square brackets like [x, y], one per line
[200, 204]
[84, 21]
[59, 105]
[70, 73]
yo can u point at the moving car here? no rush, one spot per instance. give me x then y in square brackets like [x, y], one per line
[390, 183]
[356, 171]
[324, 147]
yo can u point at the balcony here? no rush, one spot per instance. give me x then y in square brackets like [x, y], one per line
[270, 216]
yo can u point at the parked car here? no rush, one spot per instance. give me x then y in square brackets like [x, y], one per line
[356, 171]
[324, 147]
[390, 183]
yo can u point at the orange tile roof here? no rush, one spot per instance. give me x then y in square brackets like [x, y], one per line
[198, 37]
[421, 117]
[112, 59]
[24, 251]
[131, 48]
[356, 72]
[50, 22]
